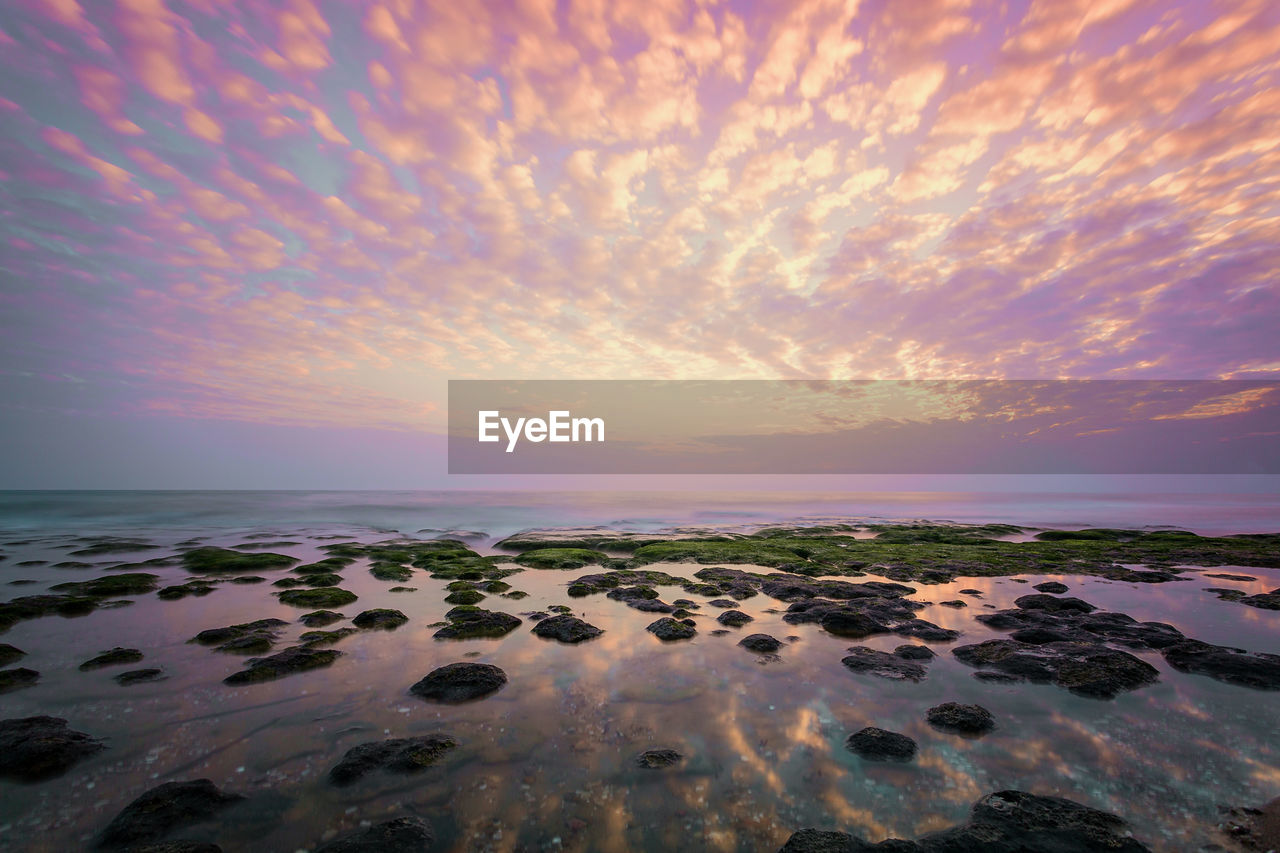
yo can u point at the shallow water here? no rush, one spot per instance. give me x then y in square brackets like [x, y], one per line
[547, 763]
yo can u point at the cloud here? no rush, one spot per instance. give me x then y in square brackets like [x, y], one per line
[229, 212]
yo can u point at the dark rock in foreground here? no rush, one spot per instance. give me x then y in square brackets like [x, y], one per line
[380, 618]
[397, 755]
[654, 759]
[16, 679]
[469, 622]
[287, 662]
[566, 629]
[401, 835]
[1253, 829]
[1087, 669]
[876, 744]
[734, 618]
[968, 720]
[460, 682]
[9, 654]
[1004, 822]
[761, 643]
[667, 628]
[163, 809]
[139, 676]
[177, 847]
[1055, 587]
[874, 662]
[1234, 666]
[112, 658]
[36, 748]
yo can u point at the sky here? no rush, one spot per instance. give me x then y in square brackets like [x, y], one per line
[228, 227]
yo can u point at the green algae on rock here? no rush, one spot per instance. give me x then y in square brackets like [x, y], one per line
[290, 661]
[561, 558]
[324, 596]
[210, 559]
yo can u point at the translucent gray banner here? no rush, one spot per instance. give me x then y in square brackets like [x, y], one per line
[864, 427]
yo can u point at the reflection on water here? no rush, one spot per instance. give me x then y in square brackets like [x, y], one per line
[548, 762]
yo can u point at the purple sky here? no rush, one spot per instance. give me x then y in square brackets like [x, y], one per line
[228, 227]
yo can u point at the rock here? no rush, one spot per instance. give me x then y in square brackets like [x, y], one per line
[163, 809]
[128, 583]
[852, 624]
[281, 664]
[876, 744]
[210, 560]
[401, 835]
[465, 596]
[654, 759]
[867, 617]
[1051, 586]
[1038, 626]
[246, 638]
[9, 654]
[474, 622]
[1003, 822]
[177, 847]
[460, 682]
[18, 678]
[320, 618]
[1227, 576]
[726, 603]
[1233, 666]
[37, 748]
[1253, 829]
[139, 676]
[381, 617]
[734, 618]
[910, 652]
[760, 643]
[1053, 603]
[192, 587]
[826, 841]
[971, 592]
[669, 629]
[894, 666]
[566, 629]
[326, 638]
[969, 720]
[396, 755]
[956, 603]
[1264, 600]
[321, 596]
[1088, 669]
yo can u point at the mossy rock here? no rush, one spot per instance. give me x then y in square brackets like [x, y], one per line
[459, 586]
[210, 560]
[281, 664]
[129, 583]
[561, 558]
[465, 596]
[326, 638]
[390, 572]
[195, 587]
[324, 597]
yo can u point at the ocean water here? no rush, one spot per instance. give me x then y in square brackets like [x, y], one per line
[547, 764]
[497, 514]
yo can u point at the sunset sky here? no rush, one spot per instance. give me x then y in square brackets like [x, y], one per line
[287, 224]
